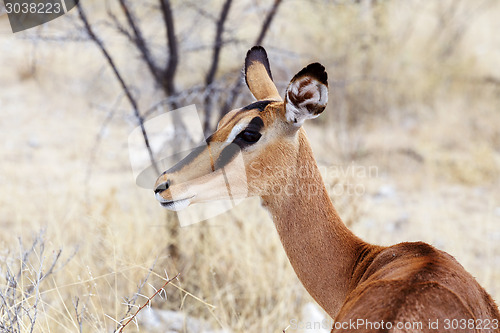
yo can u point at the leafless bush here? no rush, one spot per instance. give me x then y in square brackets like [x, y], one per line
[127, 21]
[23, 276]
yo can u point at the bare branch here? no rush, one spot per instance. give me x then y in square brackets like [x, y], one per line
[118, 26]
[267, 22]
[19, 300]
[215, 63]
[173, 52]
[140, 42]
[239, 82]
[218, 42]
[111, 63]
[200, 10]
[78, 314]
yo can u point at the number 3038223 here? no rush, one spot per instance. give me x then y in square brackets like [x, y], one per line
[33, 8]
[478, 324]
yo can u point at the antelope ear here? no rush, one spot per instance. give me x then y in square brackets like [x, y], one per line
[306, 95]
[258, 75]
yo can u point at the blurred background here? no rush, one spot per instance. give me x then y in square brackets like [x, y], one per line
[414, 99]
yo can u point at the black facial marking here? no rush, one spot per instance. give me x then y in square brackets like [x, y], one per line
[188, 159]
[251, 134]
[226, 156]
[255, 124]
[260, 105]
[209, 139]
[245, 138]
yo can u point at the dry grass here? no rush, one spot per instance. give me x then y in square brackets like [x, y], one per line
[408, 97]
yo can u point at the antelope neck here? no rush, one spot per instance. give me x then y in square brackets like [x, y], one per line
[322, 250]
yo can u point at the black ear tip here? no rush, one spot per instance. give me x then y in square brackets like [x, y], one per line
[257, 48]
[318, 71]
[315, 70]
[256, 52]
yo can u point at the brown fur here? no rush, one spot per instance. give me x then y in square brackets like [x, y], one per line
[349, 278]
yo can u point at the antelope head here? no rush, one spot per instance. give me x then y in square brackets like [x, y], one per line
[267, 134]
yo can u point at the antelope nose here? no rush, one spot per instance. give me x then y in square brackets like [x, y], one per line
[162, 187]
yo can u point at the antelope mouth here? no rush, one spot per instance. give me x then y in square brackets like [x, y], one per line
[174, 205]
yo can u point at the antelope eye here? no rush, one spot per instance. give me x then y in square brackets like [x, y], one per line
[249, 136]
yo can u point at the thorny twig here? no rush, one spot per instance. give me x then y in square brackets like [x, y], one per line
[130, 303]
[147, 303]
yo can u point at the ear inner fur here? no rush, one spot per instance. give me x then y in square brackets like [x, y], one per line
[307, 94]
